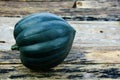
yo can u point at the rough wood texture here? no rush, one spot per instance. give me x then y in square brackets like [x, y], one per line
[63, 8]
[97, 4]
[95, 42]
[38, 0]
[95, 54]
[62, 72]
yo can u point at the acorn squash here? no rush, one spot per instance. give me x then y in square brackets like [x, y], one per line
[44, 40]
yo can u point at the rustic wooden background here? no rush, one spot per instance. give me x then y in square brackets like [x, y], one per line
[104, 9]
[95, 54]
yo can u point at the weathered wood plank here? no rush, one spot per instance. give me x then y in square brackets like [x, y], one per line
[76, 55]
[44, 4]
[38, 0]
[101, 40]
[103, 33]
[58, 0]
[96, 4]
[14, 8]
[97, 32]
[63, 72]
[95, 42]
[23, 8]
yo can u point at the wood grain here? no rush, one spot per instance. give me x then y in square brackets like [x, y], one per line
[63, 72]
[62, 8]
[39, 0]
[95, 42]
[97, 4]
[95, 54]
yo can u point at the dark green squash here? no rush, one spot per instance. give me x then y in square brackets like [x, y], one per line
[44, 40]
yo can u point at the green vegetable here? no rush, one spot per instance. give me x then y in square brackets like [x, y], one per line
[14, 47]
[44, 40]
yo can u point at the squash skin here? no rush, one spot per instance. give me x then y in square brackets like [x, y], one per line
[44, 40]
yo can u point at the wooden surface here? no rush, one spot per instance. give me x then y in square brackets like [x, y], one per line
[62, 72]
[108, 9]
[97, 4]
[95, 54]
[95, 41]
